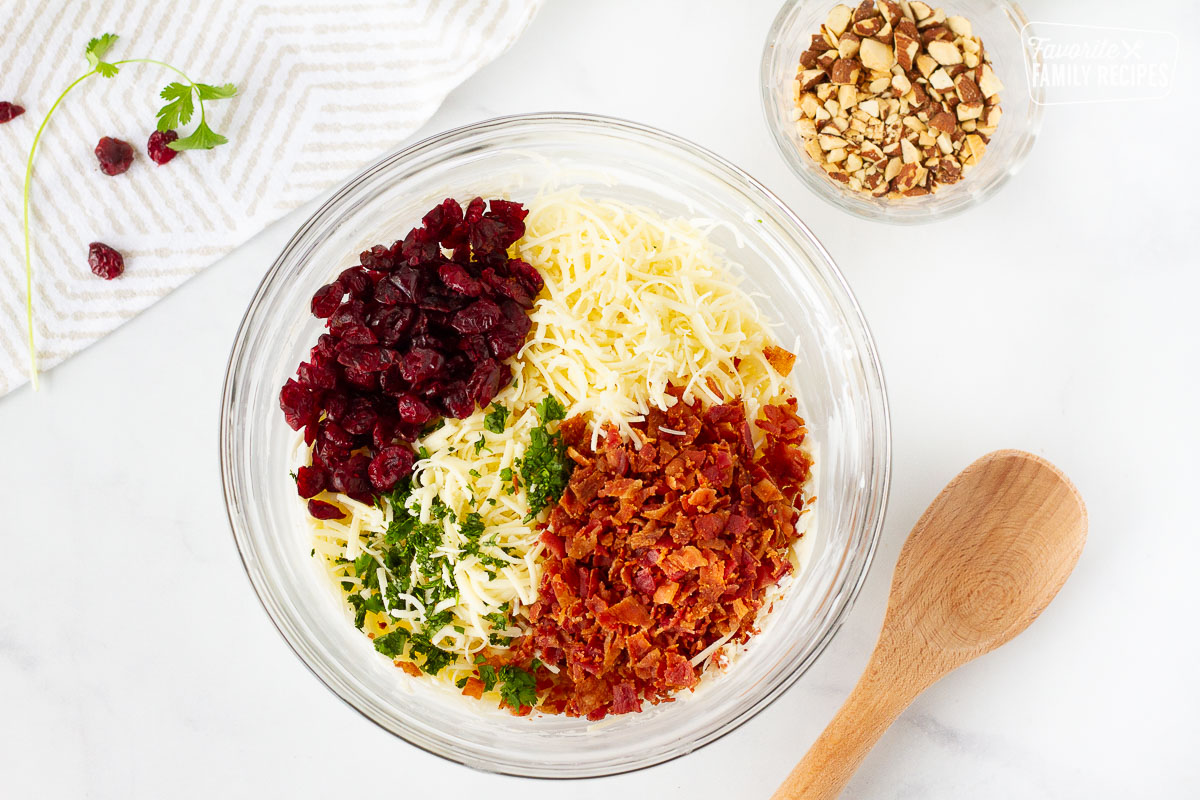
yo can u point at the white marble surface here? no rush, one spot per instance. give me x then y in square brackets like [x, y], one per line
[135, 662]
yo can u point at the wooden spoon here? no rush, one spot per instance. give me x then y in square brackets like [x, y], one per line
[984, 560]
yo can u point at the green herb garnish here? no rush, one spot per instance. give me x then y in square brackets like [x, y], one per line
[545, 468]
[177, 112]
[518, 688]
[392, 644]
[495, 419]
[550, 410]
[435, 659]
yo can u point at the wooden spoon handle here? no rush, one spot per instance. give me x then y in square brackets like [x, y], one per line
[828, 766]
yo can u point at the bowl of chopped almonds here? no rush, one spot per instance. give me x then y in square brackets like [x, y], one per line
[897, 111]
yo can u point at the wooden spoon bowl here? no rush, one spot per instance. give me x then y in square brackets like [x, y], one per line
[982, 562]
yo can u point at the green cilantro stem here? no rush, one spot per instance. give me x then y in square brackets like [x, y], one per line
[96, 49]
[33, 370]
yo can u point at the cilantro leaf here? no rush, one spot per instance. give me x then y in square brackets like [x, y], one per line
[203, 138]
[550, 410]
[487, 674]
[209, 92]
[392, 644]
[436, 659]
[518, 688]
[472, 526]
[179, 108]
[495, 419]
[96, 50]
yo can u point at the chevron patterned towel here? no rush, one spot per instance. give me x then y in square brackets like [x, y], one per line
[323, 89]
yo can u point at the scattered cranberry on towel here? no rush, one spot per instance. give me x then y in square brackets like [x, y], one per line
[104, 261]
[10, 111]
[114, 155]
[157, 147]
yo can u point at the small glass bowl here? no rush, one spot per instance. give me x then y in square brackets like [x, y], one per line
[999, 24]
[837, 371]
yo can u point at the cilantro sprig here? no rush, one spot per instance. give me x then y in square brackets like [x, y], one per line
[184, 99]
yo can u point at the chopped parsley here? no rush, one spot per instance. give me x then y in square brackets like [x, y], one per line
[518, 688]
[435, 658]
[392, 644]
[495, 419]
[550, 410]
[545, 468]
[487, 674]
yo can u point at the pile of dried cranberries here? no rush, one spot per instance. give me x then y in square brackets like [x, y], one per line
[419, 331]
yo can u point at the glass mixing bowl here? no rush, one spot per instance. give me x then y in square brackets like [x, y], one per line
[999, 25]
[838, 375]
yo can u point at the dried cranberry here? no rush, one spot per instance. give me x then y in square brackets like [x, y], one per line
[377, 258]
[319, 373]
[391, 382]
[480, 316]
[412, 410]
[410, 282]
[324, 345]
[392, 323]
[457, 401]
[114, 155]
[319, 509]
[336, 406]
[420, 364]
[157, 147]
[350, 476]
[299, 404]
[498, 229]
[508, 210]
[443, 218]
[10, 111]
[457, 279]
[310, 481]
[474, 211]
[382, 434]
[388, 293]
[368, 381]
[389, 466]
[351, 312]
[442, 303]
[357, 281]
[327, 299]
[509, 287]
[420, 247]
[104, 261]
[529, 277]
[365, 359]
[486, 380]
[361, 418]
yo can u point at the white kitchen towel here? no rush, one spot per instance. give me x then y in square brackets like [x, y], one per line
[323, 89]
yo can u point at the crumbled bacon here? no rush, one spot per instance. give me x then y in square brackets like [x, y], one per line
[653, 554]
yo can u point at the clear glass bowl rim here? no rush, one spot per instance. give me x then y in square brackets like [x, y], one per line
[729, 172]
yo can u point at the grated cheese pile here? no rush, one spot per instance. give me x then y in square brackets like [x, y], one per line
[633, 302]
